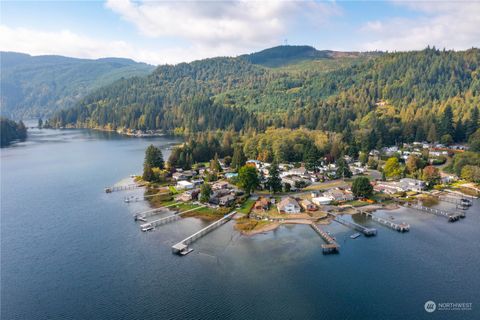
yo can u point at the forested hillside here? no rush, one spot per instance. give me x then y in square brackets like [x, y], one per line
[423, 95]
[36, 86]
[286, 55]
[170, 98]
[11, 131]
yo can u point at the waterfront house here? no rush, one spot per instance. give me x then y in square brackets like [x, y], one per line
[226, 200]
[178, 176]
[308, 205]
[319, 201]
[220, 185]
[261, 204]
[297, 171]
[188, 195]
[404, 185]
[385, 188]
[288, 205]
[338, 194]
[410, 184]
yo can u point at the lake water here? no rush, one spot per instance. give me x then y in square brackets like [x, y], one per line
[71, 251]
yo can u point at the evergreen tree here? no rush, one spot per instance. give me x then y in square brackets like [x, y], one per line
[459, 131]
[432, 133]
[312, 159]
[446, 123]
[238, 159]
[154, 157]
[472, 124]
[342, 168]
[205, 193]
[274, 182]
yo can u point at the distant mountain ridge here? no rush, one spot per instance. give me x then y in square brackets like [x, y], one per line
[287, 54]
[373, 101]
[37, 86]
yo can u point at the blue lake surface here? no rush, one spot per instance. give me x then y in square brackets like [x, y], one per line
[71, 251]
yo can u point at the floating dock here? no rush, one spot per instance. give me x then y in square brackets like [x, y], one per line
[400, 227]
[456, 200]
[452, 216]
[331, 245]
[366, 231]
[182, 248]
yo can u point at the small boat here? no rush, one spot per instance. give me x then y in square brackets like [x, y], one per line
[146, 227]
[392, 217]
[186, 251]
[355, 235]
[150, 228]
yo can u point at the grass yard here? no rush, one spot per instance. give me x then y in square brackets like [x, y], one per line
[247, 206]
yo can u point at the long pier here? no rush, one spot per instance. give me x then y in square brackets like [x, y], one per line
[452, 216]
[400, 227]
[181, 248]
[366, 231]
[122, 188]
[152, 212]
[149, 226]
[331, 245]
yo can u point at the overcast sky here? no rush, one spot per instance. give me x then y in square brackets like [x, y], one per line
[160, 32]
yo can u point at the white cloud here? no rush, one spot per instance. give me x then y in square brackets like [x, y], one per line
[68, 43]
[444, 24]
[178, 31]
[229, 26]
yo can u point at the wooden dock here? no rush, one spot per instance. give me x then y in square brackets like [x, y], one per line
[452, 216]
[366, 231]
[148, 226]
[331, 245]
[152, 212]
[153, 224]
[123, 188]
[400, 227]
[182, 248]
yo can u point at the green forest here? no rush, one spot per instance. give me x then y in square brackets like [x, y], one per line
[37, 86]
[11, 131]
[371, 101]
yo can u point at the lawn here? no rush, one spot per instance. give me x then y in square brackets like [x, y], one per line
[357, 203]
[246, 206]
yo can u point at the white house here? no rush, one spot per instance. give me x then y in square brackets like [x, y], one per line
[288, 205]
[184, 185]
[412, 184]
[321, 201]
